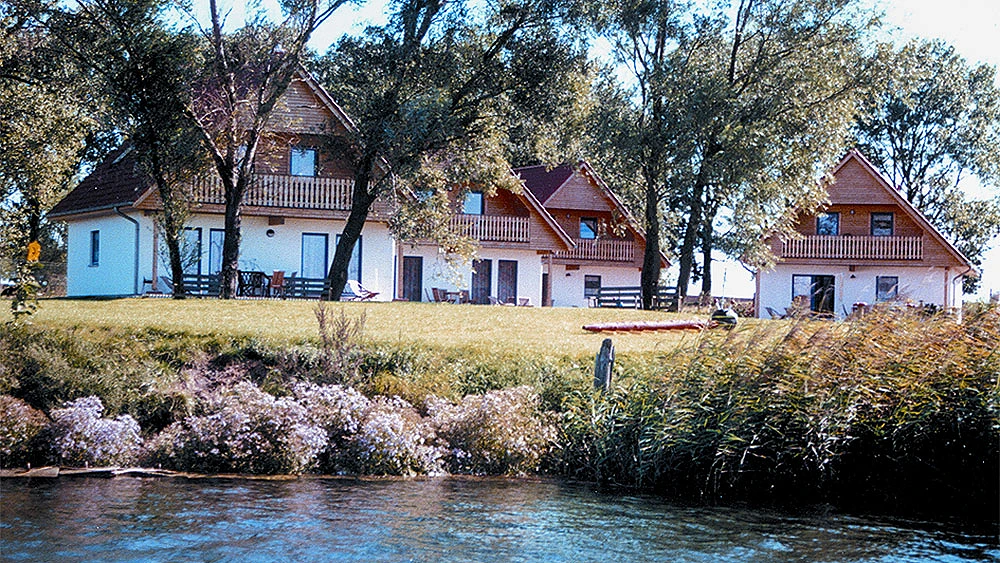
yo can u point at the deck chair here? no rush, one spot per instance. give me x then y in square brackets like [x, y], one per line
[774, 314]
[360, 292]
[277, 285]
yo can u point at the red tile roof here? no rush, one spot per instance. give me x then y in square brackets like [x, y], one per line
[543, 182]
[116, 181]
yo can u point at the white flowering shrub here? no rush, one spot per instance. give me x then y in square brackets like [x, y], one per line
[500, 432]
[384, 436]
[19, 425]
[243, 430]
[79, 436]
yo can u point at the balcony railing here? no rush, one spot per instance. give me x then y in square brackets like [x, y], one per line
[492, 228]
[610, 250]
[272, 190]
[854, 248]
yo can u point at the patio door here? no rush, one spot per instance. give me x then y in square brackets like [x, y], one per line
[818, 291]
[314, 253]
[413, 278]
[507, 281]
[482, 273]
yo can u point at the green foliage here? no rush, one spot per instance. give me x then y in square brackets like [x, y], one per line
[19, 425]
[931, 124]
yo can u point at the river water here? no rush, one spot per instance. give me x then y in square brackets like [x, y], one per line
[431, 520]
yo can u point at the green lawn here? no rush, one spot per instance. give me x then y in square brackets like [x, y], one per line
[549, 331]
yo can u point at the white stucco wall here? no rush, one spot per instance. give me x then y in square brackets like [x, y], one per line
[283, 251]
[115, 272]
[567, 285]
[916, 285]
[438, 273]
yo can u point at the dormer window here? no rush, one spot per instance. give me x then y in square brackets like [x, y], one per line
[473, 203]
[588, 228]
[882, 224]
[303, 161]
[828, 224]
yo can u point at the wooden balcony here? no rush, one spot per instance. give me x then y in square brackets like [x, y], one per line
[492, 228]
[854, 248]
[272, 190]
[604, 250]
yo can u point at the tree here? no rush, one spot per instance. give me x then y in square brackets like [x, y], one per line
[44, 131]
[428, 92]
[144, 69]
[734, 114]
[246, 74]
[935, 122]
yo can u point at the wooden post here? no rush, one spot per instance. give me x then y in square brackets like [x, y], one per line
[603, 364]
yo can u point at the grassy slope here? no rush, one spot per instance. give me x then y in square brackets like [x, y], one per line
[494, 330]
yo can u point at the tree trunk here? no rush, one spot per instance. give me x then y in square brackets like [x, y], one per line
[690, 235]
[650, 279]
[361, 204]
[229, 276]
[707, 240]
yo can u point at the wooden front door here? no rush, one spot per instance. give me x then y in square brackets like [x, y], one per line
[413, 278]
[507, 281]
[482, 272]
[546, 291]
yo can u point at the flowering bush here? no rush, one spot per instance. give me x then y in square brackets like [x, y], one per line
[382, 436]
[243, 430]
[19, 424]
[79, 436]
[500, 432]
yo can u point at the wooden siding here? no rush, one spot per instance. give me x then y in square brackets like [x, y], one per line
[856, 195]
[301, 111]
[578, 194]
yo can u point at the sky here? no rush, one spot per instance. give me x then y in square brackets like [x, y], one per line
[971, 26]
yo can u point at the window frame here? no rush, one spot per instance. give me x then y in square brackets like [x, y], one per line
[833, 215]
[589, 291]
[95, 248]
[592, 224]
[301, 151]
[882, 215]
[467, 205]
[879, 296]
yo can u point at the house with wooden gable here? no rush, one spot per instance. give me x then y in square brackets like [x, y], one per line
[558, 241]
[867, 246]
[292, 215]
[608, 243]
[555, 242]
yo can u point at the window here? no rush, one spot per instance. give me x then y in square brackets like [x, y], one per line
[881, 224]
[590, 286]
[191, 250]
[828, 224]
[314, 253]
[303, 161]
[473, 203]
[95, 248]
[216, 237]
[886, 288]
[588, 228]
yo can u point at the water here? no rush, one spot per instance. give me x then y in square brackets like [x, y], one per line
[454, 520]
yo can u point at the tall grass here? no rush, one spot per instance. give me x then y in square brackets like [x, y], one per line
[892, 412]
